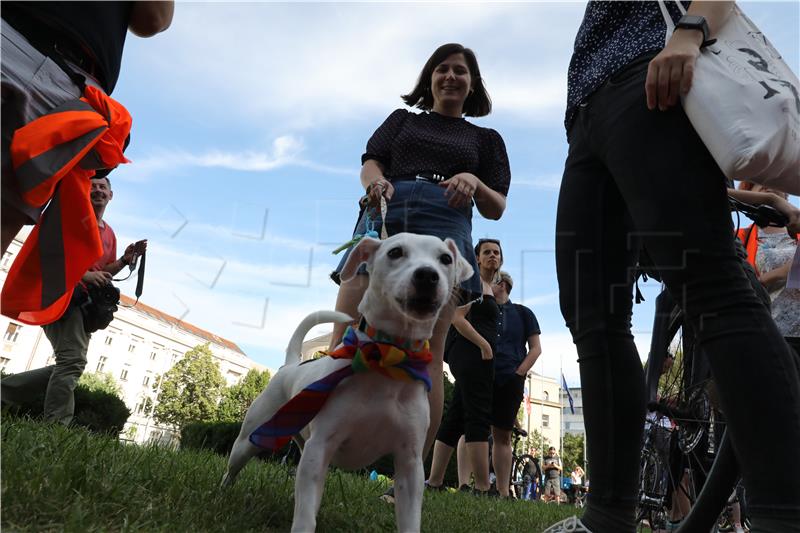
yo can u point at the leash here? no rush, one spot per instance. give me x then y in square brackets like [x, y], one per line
[369, 227]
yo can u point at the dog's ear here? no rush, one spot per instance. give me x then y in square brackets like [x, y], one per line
[464, 270]
[360, 254]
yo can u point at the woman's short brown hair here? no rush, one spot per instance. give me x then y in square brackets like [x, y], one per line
[477, 104]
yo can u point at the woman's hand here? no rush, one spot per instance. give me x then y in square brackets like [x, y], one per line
[486, 351]
[791, 212]
[670, 73]
[460, 189]
[377, 189]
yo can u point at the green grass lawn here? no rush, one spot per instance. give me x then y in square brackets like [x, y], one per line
[59, 479]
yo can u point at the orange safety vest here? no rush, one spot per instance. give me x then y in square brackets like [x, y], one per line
[749, 236]
[54, 158]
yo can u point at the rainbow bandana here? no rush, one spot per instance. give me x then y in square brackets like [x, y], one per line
[370, 350]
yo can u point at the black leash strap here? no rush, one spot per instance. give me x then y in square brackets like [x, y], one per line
[140, 277]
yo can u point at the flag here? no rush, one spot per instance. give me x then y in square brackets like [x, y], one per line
[527, 397]
[569, 396]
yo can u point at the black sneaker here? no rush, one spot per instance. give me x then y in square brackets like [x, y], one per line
[435, 488]
[464, 488]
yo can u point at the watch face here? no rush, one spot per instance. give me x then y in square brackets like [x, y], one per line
[692, 20]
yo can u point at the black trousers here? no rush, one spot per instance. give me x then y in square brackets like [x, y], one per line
[633, 177]
[469, 412]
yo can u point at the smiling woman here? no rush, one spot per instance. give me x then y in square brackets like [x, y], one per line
[430, 168]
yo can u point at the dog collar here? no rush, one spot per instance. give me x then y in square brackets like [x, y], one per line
[394, 357]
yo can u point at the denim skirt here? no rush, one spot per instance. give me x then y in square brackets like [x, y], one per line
[421, 207]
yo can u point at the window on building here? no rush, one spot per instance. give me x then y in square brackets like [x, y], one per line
[546, 396]
[101, 363]
[3, 362]
[109, 339]
[545, 421]
[6, 260]
[153, 356]
[123, 376]
[146, 381]
[131, 348]
[12, 332]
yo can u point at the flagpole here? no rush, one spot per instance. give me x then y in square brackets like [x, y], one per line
[561, 406]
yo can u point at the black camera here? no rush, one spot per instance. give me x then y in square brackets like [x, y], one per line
[98, 310]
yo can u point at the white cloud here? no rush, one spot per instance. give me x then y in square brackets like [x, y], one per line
[547, 182]
[310, 64]
[286, 150]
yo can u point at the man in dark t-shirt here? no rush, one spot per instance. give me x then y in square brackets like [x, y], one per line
[517, 347]
[552, 476]
[51, 50]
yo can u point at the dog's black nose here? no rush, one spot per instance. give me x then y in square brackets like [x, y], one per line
[425, 278]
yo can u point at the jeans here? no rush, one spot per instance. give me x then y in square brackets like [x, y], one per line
[637, 177]
[421, 207]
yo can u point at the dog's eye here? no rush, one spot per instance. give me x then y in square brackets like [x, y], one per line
[446, 259]
[395, 253]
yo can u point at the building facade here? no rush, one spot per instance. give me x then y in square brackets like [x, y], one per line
[541, 410]
[573, 422]
[140, 345]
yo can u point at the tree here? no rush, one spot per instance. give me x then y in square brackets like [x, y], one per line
[101, 381]
[572, 454]
[237, 398]
[190, 390]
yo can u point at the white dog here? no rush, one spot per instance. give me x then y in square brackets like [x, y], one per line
[367, 415]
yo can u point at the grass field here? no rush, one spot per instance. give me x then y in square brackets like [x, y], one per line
[59, 479]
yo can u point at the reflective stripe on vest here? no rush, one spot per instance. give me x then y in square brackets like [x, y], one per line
[54, 158]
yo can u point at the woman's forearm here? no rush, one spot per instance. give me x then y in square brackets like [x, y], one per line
[490, 203]
[466, 330]
[371, 171]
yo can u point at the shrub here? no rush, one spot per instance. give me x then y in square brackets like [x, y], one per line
[97, 410]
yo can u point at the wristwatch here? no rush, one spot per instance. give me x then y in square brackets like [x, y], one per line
[695, 22]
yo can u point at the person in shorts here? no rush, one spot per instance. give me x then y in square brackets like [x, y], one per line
[517, 348]
[552, 477]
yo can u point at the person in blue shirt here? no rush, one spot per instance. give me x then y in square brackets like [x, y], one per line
[517, 348]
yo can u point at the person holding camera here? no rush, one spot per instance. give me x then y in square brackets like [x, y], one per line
[92, 306]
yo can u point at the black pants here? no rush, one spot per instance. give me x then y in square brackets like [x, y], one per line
[636, 177]
[470, 408]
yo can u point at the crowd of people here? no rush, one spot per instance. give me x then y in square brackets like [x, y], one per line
[633, 156]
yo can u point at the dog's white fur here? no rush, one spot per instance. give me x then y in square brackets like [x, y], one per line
[367, 415]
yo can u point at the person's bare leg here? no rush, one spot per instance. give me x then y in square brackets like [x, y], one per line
[464, 467]
[478, 453]
[435, 369]
[501, 459]
[441, 456]
[350, 294]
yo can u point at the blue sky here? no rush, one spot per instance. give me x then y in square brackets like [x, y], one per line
[249, 123]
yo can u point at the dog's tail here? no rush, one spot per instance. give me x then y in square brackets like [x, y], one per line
[294, 348]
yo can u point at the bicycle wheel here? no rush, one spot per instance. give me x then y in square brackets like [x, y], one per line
[686, 395]
[521, 471]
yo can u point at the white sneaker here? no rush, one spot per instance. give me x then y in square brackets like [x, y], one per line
[572, 524]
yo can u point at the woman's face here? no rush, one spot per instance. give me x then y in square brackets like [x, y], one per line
[451, 82]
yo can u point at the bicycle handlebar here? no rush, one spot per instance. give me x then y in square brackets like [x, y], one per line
[761, 215]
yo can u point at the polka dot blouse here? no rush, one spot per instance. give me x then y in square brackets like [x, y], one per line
[613, 33]
[410, 143]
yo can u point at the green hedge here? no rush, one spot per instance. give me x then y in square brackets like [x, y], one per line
[220, 436]
[96, 410]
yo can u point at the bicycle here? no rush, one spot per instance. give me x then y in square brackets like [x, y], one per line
[689, 459]
[524, 469]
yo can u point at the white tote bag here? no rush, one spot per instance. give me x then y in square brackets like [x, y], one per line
[745, 105]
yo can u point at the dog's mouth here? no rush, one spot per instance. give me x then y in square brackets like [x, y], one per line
[420, 306]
